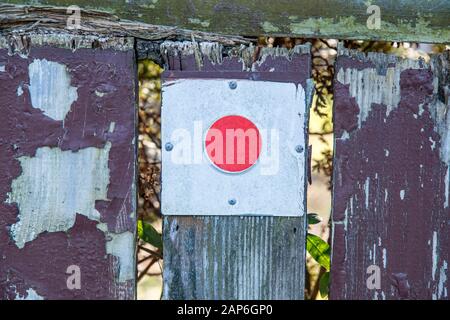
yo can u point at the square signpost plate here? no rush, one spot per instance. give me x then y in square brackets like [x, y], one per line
[252, 166]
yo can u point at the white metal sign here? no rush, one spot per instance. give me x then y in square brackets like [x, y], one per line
[233, 147]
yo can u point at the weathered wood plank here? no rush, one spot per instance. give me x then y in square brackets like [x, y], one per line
[67, 168]
[403, 20]
[18, 19]
[391, 179]
[236, 257]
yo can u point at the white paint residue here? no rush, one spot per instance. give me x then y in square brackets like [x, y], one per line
[385, 195]
[122, 245]
[367, 188]
[54, 186]
[112, 126]
[435, 255]
[2, 68]
[433, 143]
[386, 152]
[19, 91]
[447, 186]
[50, 88]
[31, 295]
[402, 194]
[99, 93]
[384, 258]
[441, 115]
[345, 135]
[442, 290]
[374, 252]
[368, 87]
[346, 216]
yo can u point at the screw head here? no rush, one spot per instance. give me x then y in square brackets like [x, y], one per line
[168, 146]
[299, 149]
[232, 202]
[232, 85]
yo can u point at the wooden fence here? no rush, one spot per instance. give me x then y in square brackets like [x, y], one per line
[68, 150]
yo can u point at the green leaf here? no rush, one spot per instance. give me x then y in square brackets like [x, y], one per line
[148, 234]
[319, 250]
[324, 284]
[313, 218]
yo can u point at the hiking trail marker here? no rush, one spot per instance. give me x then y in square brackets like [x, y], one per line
[233, 147]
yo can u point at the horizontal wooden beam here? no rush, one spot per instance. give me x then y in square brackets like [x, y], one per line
[401, 20]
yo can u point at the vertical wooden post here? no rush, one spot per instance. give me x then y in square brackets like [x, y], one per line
[391, 178]
[236, 257]
[67, 167]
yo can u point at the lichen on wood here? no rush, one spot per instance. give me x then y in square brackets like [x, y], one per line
[404, 20]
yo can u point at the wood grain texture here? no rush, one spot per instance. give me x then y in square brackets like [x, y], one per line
[401, 20]
[234, 257]
[391, 177]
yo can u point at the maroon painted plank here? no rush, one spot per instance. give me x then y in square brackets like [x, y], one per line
[102, 114]
[391, 180]
[253, 63]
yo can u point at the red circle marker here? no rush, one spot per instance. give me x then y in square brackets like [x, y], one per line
[233, 143]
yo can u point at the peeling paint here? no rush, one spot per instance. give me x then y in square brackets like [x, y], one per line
[19, 43]
[121, 245]
[99, 93]
[54, 186]
[31, 295]
[366, 191]
[434, 256]
[442, 289]
[19, 91]
[447, 187]
[397, 126]
[251, 58]
[112, 127]
[35, 150]
[383, 86]
[50, 88]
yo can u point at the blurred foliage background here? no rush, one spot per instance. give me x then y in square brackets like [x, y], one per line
[150, 263]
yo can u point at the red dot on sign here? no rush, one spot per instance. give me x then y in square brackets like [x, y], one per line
[233, 143]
